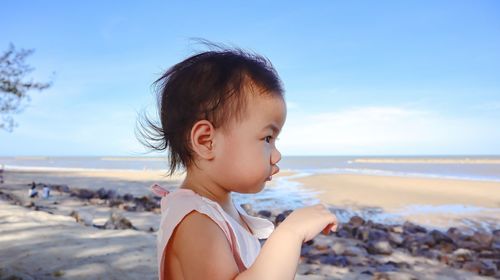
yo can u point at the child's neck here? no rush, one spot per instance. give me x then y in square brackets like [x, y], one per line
[202, 185]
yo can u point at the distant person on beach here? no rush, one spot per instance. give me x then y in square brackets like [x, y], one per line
[46, 192]
[32, 191]
[220, 114]
[1, 174]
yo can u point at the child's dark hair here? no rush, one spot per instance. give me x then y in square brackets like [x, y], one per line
[210, 85]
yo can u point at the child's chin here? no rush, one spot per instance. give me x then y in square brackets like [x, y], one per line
[255, 189]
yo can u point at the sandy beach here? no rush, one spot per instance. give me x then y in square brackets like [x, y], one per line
[39, 245]
[41, 240]
[391, 192]
[135, 182]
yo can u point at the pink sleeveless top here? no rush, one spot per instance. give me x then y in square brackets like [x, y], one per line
[177, 204]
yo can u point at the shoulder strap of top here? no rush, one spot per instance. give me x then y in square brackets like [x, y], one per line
[159, 190]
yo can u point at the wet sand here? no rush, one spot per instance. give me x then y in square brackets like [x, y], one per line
[391, 192]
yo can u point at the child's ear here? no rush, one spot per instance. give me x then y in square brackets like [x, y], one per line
[202, 136]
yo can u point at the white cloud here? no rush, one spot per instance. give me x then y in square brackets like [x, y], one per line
[91, 130]
[387, 130]
[102, 129]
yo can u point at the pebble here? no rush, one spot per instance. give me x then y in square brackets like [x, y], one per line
[265, 213]
[462, 255]
[440, 237]
[83, 193]
[484, 240]
[396, 238]
[379, 247]
[356, 221]
[410, 227]
[117, 221]
[82, 217]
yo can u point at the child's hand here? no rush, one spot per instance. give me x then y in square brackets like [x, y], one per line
[310, 221]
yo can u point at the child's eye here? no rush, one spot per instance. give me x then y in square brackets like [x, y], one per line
[268, 139]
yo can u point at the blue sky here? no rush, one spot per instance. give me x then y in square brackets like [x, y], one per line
[361, 77]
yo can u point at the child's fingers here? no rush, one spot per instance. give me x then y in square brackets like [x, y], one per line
[331, 226]
[334, 228]
[328, 228]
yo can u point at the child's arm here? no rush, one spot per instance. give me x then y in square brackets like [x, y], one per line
[204, 252]
[279, 257]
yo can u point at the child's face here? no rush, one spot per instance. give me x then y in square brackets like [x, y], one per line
[246, 155]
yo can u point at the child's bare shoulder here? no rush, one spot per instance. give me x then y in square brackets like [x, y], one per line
[202, 249]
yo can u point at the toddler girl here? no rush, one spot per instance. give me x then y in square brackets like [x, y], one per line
[220, 113]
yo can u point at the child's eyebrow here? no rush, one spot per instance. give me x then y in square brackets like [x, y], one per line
[273, 127]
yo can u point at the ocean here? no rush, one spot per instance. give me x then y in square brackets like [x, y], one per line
[485, 168]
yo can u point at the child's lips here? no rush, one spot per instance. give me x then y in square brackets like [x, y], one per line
[275, 169]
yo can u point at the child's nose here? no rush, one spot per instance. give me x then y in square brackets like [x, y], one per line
[275, 156]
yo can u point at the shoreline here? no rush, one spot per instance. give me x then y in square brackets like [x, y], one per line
[432, 202]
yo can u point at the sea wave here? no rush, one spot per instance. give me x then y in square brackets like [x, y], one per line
[428, 160]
